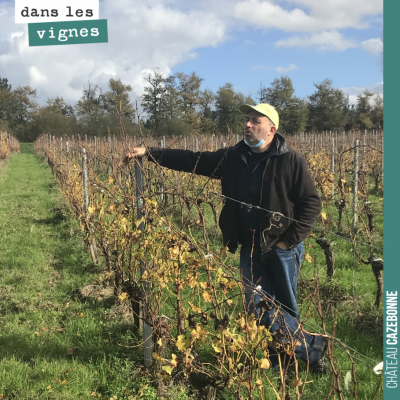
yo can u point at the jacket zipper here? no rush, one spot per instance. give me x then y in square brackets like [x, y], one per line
[262, 187]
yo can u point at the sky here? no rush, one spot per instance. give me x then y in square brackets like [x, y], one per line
[245, 42]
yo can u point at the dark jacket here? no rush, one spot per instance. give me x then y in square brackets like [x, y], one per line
[248, 190]
[287, 189]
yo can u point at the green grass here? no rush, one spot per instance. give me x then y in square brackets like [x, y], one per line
[42, 264]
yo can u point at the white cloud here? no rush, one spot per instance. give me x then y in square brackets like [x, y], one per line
[322, 41]
[317, 21]
[353, 92]
[165, 33]
[142, 35]
[310, 15]
[373, 46]
[36, 76]
[285, 70]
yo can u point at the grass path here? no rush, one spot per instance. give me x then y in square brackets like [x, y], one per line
[52, 345]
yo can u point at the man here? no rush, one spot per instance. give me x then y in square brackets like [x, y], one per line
[261, 171]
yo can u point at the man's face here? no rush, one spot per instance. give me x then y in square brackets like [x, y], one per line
[257, 127]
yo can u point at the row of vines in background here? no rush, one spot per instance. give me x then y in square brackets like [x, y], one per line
[161, 258]
[8, 145]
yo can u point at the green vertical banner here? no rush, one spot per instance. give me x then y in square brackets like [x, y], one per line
[391, 92]
[68, 32]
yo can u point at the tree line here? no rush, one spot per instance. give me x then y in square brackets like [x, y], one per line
[177, 105]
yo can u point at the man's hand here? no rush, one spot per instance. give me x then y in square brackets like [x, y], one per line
[135, 152]
[282, 245]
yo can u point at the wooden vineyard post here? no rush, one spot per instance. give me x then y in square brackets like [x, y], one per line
[184, 143]
[356, 144]
[86, 208]
[109, 167]
[162, 145]
[312, 144]
[54, 156]
[333, 167]
[197, 145]
[95, 151]
[364, 145]
[67, 150]
[142, 310]
[343, 141]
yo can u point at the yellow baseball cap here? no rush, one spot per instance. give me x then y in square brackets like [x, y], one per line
[264, 109]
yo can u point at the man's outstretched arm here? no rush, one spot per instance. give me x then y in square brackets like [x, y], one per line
[205, 163]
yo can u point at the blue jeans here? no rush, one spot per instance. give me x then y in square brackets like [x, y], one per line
[277, 273]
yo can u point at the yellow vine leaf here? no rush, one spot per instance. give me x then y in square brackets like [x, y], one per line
[168, 369]
[181, 343]
[123, 296]
[308, 258]
[216, 348]
[206, 297]
[264, 363]
[174, 361]
[157, 357]
[194, 308]
[323, 215]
